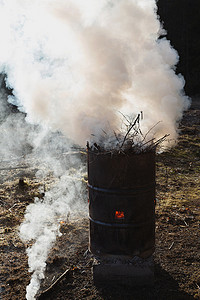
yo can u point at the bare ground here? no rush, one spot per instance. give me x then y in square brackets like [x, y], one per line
[177, 255]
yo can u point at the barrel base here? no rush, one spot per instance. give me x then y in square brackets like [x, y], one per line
[138, 273]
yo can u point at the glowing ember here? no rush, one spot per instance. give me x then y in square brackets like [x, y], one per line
[119, 214]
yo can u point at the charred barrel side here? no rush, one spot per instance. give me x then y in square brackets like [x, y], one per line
[121, 203]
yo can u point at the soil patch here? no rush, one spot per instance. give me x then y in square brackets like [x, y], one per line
[177, 255]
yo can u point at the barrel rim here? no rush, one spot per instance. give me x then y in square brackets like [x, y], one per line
[121, 153]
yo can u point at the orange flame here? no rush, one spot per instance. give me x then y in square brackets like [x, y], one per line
[119, 214]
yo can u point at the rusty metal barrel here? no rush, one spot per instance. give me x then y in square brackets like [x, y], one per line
[121, 204]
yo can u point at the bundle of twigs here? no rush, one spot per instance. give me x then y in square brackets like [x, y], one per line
[130, 140]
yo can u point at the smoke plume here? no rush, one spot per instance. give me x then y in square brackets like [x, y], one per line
[75, 64]
[72, 66]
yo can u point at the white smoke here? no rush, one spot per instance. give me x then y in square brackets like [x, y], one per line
[42, 224]
[39, 148]
[72, 65]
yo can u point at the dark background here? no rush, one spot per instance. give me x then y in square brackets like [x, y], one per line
[181, 19]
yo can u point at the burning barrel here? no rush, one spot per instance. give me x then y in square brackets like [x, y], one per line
[121, 204]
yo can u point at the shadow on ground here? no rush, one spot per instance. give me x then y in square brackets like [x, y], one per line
[165, 287]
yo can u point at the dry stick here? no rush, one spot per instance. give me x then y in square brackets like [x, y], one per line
[127, 120]
[161, 139]
[136, 120]
[13, 206]
[197, 286]
[104, 132]
[72, 152]
[137, 130]
[151, 129]
[140, 130]
[54, 283]
[170, 247]
[149, 141]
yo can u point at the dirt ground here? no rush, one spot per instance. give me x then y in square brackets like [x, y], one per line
[177, 254]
